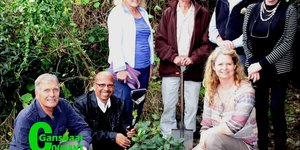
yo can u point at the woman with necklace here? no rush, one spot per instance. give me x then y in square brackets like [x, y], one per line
[269, 31]
[228, 119]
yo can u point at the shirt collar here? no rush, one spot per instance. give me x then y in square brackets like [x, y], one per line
[102, 105]
[191, 9]
[42, 113]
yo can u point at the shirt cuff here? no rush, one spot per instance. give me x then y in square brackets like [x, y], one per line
[264, 62]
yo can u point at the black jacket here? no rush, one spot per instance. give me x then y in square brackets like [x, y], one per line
[86, 106]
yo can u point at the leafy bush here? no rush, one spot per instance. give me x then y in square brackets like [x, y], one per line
[148, 136]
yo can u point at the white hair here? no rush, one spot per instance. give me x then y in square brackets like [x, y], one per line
[44, 77]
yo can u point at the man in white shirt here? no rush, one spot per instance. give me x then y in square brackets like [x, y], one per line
[105, 114]
[181, 41]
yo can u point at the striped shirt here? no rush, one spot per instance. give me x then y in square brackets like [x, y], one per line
[238, 114]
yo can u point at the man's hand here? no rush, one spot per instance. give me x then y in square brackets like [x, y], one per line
[186, 61]
[178, 60]
[131, 132]
[225, 43]
[122, 140]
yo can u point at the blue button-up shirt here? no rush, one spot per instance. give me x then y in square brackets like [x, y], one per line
[64, 117]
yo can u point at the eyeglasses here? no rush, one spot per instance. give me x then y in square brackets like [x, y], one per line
[103, 85]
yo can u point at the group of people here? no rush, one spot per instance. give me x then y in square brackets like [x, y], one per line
[238, 55]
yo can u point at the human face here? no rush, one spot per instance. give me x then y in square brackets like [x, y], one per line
[48, 94]
[132, 3]
[271, 2]
[224, 67]
[104, 86]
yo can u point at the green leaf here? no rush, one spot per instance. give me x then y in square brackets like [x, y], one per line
[157, 8]
[30, 87]
[155, 117]
[96, 5]
[84, 2]
[150, 16]
[26, 98]
[91, 39]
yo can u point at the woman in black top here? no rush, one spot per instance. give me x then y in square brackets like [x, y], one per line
[269, 30]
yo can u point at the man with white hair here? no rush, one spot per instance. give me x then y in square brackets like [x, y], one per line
[52, 114]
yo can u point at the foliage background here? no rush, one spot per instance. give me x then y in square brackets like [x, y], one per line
[64, 37]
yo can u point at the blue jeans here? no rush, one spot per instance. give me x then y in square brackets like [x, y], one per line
[122, 91]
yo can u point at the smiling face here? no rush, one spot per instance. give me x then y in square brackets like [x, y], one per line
[47, 93]
[224, 67]
[104, 85]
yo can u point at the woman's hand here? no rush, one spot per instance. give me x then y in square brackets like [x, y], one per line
[253, 72]
[254, 68]
[254, 76]
[123, 75]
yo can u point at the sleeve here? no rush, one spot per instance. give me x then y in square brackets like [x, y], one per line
[20, 139]
[288, 37]
[242, 110]
[164, 50]
[238, 42]
[123, 120]
[201, 53]
[213, 32]
[246, 42]
[206, 121]
[115, 35]
[77, 125]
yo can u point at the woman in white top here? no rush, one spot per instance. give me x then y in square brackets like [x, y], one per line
[130, 45]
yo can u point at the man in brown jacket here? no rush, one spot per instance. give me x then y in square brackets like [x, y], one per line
[182, 41]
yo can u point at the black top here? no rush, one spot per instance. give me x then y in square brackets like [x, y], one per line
[265, 34]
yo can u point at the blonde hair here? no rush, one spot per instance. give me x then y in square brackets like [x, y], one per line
[118, 2]
[211, 80]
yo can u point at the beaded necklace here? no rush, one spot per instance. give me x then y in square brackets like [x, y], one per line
[271, 12]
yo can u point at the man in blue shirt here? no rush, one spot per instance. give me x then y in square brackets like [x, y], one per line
[56, 116]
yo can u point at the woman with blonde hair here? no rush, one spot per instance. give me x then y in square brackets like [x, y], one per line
[228, 119]
[131, 52]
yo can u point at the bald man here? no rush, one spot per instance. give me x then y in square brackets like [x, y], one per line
[105, 114]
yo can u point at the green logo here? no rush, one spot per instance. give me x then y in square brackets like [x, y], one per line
[48, 138]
